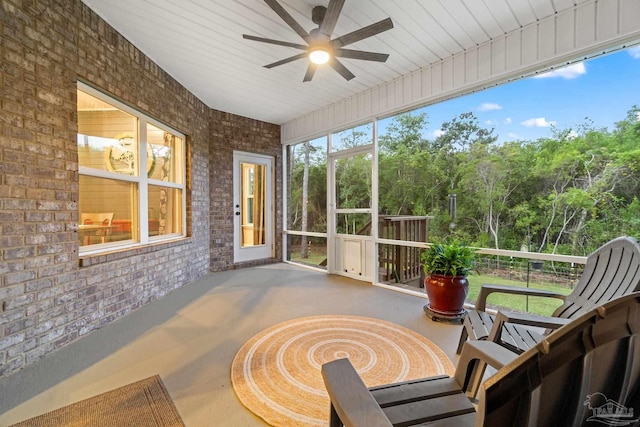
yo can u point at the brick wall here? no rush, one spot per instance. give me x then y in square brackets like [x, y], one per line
[229, 133]
[47, 299]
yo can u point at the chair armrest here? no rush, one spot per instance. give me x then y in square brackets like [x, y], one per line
[474, 353]
[487, 289]
[525, 319]
[350, 398]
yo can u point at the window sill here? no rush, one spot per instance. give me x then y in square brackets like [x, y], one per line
[117, 254]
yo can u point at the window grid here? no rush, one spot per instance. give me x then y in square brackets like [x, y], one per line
[146, 204]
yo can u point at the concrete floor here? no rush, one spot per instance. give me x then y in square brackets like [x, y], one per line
[190, 338]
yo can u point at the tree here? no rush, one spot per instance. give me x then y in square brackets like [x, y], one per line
[458, 135]
[405, 132]
[304, 251]
[568, 193]
[404, 161]
[487, 175]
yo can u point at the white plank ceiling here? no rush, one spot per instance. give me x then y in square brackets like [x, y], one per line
[200, 44]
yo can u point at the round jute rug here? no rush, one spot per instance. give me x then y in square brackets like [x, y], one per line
[276, 374]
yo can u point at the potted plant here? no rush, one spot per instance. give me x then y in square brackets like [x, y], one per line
[446, 266]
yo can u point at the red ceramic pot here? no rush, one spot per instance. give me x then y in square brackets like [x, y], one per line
[446, 293]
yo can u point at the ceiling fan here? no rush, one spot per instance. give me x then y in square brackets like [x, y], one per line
[320, 48]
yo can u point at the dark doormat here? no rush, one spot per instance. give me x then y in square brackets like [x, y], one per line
[145, 403]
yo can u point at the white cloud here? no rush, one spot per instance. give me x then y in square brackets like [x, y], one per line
[507, 121]
[488, 122]
[489, 106]
[569, 72]
[438, 133]
[635, 52]
[538, 122]
[513, 135]
[572, 134]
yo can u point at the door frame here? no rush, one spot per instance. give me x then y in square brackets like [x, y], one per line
[267, 250]
[336, 241]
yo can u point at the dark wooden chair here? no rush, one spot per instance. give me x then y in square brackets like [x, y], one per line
[584, 373]
[611, 271]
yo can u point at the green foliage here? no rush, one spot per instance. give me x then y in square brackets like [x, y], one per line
[568, 193]
[404, 133]
[317, 191]
[449, 258]
[538, 305]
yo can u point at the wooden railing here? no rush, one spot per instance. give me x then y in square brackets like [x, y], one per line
[401, 264]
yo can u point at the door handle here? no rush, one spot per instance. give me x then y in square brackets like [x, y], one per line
[237, 213]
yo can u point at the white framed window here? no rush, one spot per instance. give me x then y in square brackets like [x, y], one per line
[132, 186]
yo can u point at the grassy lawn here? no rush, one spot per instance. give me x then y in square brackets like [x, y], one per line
[313, 259]
[538, 305]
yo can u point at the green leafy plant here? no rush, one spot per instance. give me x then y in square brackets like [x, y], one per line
[449, 258]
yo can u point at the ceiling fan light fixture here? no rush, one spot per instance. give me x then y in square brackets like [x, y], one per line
[319, 56]
[320, 48]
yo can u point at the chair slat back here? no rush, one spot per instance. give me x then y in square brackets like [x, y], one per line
[104, 219]
[611, 271]
[96, 218]
[586, 371]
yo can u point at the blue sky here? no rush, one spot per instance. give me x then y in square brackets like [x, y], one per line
[602, 89]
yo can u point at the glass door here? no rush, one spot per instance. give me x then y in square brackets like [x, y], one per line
[253, 206]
